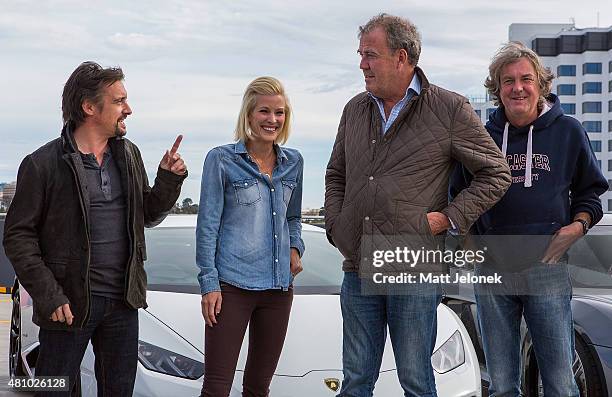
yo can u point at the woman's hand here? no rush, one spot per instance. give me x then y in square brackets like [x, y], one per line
[296, 262]
[211, 307]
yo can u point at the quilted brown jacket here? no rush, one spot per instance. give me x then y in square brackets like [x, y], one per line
[386, 184]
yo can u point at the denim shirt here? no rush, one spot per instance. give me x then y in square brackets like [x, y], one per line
[247, 223]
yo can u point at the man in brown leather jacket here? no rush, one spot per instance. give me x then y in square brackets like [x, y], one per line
[388, 175]
[75, 232]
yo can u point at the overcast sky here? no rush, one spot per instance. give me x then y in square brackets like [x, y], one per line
[187, 64]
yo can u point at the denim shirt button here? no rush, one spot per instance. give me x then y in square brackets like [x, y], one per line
[272, 189]
[274, 213]
[275, 260]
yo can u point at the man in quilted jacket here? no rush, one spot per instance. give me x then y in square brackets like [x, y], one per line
[396, 146]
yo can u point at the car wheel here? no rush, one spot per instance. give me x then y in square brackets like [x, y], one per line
[590, 383]
[586, 373]
[15, 361]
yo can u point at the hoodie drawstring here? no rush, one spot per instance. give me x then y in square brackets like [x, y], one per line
[528, 159]
[528, 155]
[505, 140]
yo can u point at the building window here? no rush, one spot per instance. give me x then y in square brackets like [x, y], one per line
[596, 145]
[610, 190]
[591, 87]
[610, 67]
[609, 204]
[591, 107]
[609, 146]
[599, 163]
[490, 111]
[545, 46]
[569, 108]
[566, 89]
[477, 112]
[592, 126]
[566, 70]
[609, 165]
[595, 41]
[610, 86]
[610, 106]
[569, 44]
[610, 130]
[591, 68]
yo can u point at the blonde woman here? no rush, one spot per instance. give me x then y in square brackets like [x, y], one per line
[249, 241]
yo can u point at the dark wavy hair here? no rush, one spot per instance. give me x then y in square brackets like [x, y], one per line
[86, 83]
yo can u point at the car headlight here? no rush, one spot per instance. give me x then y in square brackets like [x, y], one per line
[156, 359]
[450, 355]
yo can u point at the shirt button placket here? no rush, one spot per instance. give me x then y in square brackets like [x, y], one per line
[275, 240]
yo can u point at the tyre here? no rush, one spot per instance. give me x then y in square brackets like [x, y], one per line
[590, 383]
[15, 360]
[586, 373]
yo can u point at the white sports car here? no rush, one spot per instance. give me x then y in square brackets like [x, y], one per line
[171, 341]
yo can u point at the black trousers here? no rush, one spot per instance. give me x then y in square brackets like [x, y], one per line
[267, 315]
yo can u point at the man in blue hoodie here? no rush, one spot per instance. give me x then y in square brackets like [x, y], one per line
[552, 202]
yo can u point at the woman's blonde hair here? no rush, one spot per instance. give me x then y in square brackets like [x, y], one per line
[261, 86]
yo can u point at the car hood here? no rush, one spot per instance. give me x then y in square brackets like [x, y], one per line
[592, 314]
[314, 337]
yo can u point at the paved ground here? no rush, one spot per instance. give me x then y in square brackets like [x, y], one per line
[5, 316]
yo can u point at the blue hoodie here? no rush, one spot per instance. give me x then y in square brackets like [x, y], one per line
[565, 178]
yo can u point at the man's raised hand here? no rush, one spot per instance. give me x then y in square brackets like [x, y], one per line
[172, 160]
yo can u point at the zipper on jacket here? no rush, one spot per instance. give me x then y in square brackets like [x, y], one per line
[130, 224]
[88, 241]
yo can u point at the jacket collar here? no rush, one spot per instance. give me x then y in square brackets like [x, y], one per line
[424, 82]
[68, 143]
[418, 72]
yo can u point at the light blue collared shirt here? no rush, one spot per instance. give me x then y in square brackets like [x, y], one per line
[413, 89]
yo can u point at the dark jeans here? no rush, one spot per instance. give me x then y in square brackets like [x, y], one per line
[113, 330]
[267, 315]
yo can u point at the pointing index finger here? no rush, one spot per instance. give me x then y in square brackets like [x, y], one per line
[176, 145]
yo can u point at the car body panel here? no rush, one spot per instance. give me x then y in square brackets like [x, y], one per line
[605, 357]
[593, 316]
[313, 348]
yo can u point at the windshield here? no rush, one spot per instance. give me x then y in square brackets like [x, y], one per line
[171, 261]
